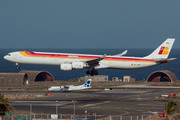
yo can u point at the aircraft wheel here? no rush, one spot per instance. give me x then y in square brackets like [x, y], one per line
[92, 74]
[96, 72]
[17, 67]
[87, 72]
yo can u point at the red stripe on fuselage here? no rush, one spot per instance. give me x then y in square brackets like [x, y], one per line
[74, 56]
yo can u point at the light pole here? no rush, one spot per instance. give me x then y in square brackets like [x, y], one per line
[95, 115]
[56, 107]
[74, 105]
[30, 111]
[86, 113]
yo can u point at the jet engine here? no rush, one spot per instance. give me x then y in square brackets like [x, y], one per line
[77, 65]
[74, 65]
[66, 66]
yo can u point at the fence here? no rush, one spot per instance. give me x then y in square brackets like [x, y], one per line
[140, 117]
[72, 117]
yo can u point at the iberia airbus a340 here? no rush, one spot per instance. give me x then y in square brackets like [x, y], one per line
[68, 61]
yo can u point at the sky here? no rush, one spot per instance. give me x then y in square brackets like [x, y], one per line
[91, 24]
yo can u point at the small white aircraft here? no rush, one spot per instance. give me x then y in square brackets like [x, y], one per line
[71, 87]
[68, 61]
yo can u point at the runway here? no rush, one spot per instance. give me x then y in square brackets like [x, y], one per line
[115, 102]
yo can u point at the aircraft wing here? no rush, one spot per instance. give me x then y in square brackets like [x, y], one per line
[67, 86]
[121, 54]
[95, 61]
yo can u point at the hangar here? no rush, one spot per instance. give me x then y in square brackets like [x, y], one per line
[25, 77]
[162, 76]
[37, 76]
[13, 78]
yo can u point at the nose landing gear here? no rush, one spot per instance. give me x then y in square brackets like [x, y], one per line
[17, 66]
[92, 72]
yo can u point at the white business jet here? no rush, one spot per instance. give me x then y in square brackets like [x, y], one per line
[68, 61]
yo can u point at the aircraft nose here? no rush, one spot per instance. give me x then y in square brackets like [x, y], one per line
[5, 57]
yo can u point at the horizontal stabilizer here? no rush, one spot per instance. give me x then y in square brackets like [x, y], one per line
[160, 61]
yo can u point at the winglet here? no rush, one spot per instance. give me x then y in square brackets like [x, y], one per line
[103, 56]
[121, 54]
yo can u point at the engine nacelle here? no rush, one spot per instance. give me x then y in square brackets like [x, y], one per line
[66, 66]
[77, 65]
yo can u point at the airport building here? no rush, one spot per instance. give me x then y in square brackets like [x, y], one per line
[13, 78]
[38, 76]
[25, 77]
[128, 79]
[32, 77]
[116, 79]
[95, 78]
[162, 76]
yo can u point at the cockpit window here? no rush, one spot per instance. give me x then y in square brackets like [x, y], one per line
[9, 54]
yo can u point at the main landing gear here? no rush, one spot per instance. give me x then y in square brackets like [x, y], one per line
[92, 72]
[17, 66]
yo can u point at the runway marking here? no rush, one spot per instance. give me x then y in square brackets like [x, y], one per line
[95, 104]
[139, 98]
[152, 112]
[122, 91]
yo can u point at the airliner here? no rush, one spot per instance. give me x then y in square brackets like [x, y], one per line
[71, 87]
[69, 61]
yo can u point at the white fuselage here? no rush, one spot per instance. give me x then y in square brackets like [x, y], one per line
[71, 87]
[68, 61]
[56, 59]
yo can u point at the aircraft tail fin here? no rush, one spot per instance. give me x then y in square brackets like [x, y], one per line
[163, 50]
[87, 84]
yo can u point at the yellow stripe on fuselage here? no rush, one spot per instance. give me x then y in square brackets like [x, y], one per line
[23, 53]
[137, 61]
